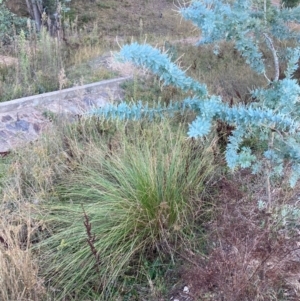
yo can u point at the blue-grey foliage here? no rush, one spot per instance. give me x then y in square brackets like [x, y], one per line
[137, 111]
[160, 64]
[272, 120]
[242, 23]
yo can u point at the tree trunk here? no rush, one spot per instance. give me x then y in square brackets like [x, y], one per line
[29, 8]
[37, 15]
[35, 10]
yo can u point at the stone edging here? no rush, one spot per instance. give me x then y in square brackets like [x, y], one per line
[47, 98]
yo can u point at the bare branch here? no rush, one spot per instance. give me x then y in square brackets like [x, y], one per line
[275, 57]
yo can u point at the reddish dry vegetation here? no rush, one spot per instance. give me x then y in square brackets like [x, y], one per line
[246, 260]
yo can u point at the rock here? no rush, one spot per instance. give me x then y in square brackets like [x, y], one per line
[36, 127]
[6, 118]
[89, 101]
[3, 135]
[22, 125]
[19, 125]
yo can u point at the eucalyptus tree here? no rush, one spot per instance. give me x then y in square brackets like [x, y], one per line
[50, 8]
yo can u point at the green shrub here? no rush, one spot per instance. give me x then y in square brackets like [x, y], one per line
[10, 24]
[290, 3]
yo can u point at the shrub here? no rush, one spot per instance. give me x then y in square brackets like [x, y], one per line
[10, 24]
[290, 3]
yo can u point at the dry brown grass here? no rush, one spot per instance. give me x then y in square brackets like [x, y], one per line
[19, 279]
[7, 61]
[125, 68]
[122, 18]
[246, 260]
[30, 179]
[225, 74]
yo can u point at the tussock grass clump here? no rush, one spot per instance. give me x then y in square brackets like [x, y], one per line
[138, 195]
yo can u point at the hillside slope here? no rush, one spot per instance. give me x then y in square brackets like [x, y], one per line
[122, 17]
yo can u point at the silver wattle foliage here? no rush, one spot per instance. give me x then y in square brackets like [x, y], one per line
[273, 120]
